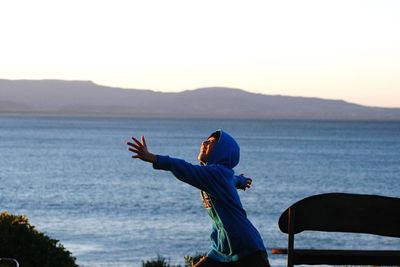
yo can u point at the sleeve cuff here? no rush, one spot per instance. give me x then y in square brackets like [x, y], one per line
[241, 182]
[162, 163]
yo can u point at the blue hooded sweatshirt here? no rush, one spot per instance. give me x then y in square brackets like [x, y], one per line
[233, 236]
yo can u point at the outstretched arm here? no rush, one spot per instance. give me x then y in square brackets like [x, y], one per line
[206, 178]
[140, 150]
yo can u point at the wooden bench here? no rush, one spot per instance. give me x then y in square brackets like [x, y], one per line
[339, 212]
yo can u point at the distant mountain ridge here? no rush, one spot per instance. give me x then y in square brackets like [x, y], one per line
[85, 98]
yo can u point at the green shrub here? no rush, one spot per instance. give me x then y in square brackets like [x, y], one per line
[162, 262]
[159, 262]
[20, 240]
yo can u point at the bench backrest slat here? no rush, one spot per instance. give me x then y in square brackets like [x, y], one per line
[340, 212]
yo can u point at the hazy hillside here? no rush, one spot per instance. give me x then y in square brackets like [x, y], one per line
[58, 97]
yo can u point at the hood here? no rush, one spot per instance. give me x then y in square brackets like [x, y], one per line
[225, 152]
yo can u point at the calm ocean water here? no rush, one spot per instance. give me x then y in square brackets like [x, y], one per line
[75, 180]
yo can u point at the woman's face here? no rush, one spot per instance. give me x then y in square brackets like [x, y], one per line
[206, 149]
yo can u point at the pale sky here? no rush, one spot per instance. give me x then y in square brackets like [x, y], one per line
[335, 49]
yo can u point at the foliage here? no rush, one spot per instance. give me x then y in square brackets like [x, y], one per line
[189, 260]
[159, 262]
[162, 262]
[20, 240]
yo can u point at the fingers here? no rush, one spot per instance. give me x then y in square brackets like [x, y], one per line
[138, 147]
[133, 145]
[143, 141]
[138, 144]
[137, 141]
[248, 182]
[139, 153]
[135, 150]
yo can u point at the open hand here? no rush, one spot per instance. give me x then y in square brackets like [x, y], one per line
[140, 149]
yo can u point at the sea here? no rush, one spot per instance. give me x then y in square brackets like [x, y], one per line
[75, 180]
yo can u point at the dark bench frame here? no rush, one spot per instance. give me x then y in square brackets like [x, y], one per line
[9, 261]
[340, 212]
